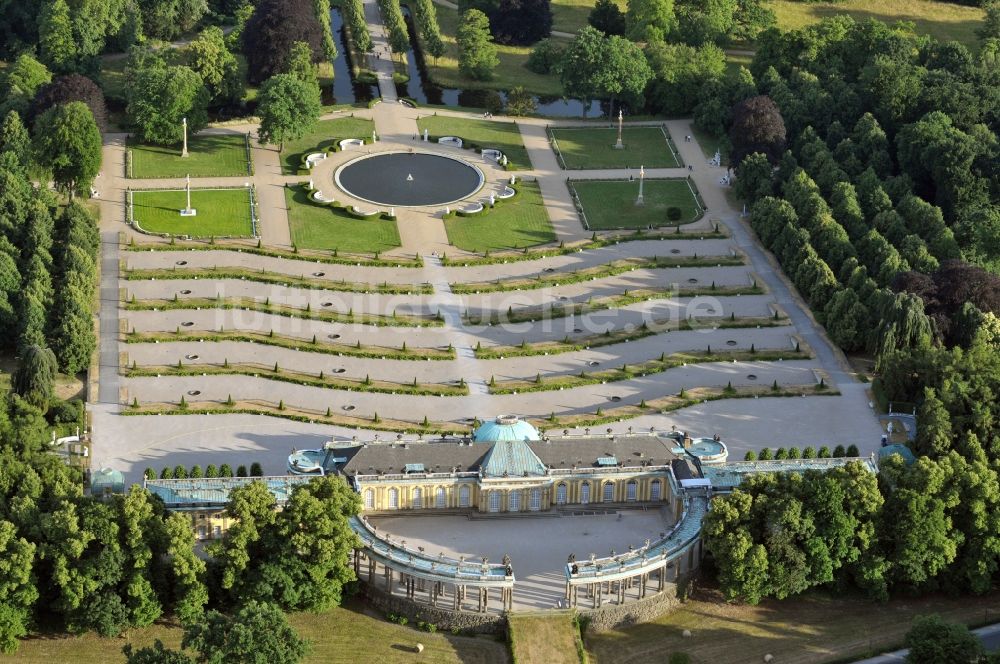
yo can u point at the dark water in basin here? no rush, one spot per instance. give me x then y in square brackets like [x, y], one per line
[409, 179]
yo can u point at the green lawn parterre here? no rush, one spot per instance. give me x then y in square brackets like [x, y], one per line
[221, 212]
[328, 228]
[594, 147]
[504, 136]
[519, 222]
[209, 155]
[323, 135]
[610, 204]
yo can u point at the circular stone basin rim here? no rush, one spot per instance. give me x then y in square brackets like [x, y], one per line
[446, 198]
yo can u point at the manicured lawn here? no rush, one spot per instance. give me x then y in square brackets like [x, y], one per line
[209, 155]
[594, 147]
[520, 222]
[941, 20]
[317, 227]
[221, 212]
[571, 15]
[342, 635]
[611, 203]
[323, 135]
[511, 71]
[543, 640]
[798, 630]
[503, 136]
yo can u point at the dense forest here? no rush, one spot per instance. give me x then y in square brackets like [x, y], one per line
[869, 159]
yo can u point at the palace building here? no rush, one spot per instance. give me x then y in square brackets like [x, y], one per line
[506, 466]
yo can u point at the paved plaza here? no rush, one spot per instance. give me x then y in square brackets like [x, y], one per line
[538, 545]
[745, 284]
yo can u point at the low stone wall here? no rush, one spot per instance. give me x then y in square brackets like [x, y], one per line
[484, 623]
[632, 612]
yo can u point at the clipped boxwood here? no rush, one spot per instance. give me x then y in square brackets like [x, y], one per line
[458, 212]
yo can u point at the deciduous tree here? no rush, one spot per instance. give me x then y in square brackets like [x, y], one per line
[17, 586]
[55, 34]
[68, 144]
[218, 68]
[161, 97]
[257, 633]
[521, 22]
[69, 88]
[272, 29]
[757, 127]
[288, 108]
[477, 56]
[650, 20]
[932, 640]
[607, 17]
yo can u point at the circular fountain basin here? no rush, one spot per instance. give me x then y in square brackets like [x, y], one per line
[405, 179]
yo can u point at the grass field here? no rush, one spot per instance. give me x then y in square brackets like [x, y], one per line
[594, 147]
[808, 630]
[322, 136]
[209, 155]
[503, 136]
[611, 204]
[316, 227]
[342, 635]
[510, 72]
[543, 639]
[520, 222]
[941, 20]
[571, 15]
[221, 212]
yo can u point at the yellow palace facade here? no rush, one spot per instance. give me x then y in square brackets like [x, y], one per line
[507, 467]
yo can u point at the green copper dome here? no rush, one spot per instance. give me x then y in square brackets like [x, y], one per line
[505, 427]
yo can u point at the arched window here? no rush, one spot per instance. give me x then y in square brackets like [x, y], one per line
[609, 492]
[585, 493]
[440, 498]
[418, 498]
[630, 489]
[463, 496]
[561, 494]
[536, 500]
[394, 498]
[514, 501]
[369, 499]
[494, 501]
[655, 490]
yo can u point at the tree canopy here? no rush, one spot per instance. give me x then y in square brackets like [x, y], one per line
[521, 22]
[68, 88]
[932, 640]
[477, 55]
[757, 127]
[161, 97]
[272, 30]
[596, 66]
[288, 108]
[68, 144]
